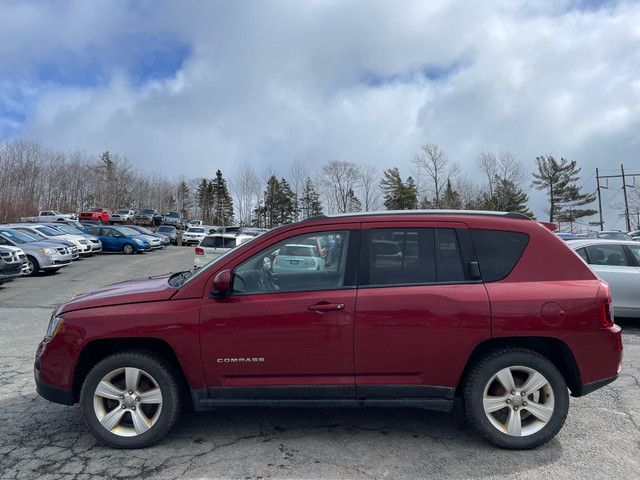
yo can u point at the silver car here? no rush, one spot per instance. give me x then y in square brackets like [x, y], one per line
[618, 264]
[41, 255]
[83, 245]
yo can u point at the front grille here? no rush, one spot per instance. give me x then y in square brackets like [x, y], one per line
[62, 250]
[10, 257]
[84, 242]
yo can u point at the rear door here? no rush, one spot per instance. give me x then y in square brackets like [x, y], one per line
[419, 312]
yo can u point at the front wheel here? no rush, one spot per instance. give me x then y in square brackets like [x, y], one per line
[32, 267]
[516, 398]
[127, 249]
[130, 399]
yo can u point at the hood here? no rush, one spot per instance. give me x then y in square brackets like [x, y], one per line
[141, 290]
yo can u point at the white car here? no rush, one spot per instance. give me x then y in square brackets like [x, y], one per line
[194, 235]
[295, 257]
[121, 216]
[83, 245]
[618, 264]
[213, 246]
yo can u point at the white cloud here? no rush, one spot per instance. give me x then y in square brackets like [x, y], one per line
[363, 81]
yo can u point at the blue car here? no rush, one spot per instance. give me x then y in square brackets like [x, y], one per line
[119, 239]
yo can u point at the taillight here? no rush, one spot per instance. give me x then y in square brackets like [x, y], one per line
[199, 251]
[606, 313]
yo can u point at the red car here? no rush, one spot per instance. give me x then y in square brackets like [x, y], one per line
[415, 309]
[100, 215]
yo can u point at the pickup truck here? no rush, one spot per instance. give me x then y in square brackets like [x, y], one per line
[50, 216]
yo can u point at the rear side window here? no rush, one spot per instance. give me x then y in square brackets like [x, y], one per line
[607, 255]
[498, 252]
[407, 256]
[218, 242]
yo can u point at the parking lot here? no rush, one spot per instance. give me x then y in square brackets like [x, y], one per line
[601, 437]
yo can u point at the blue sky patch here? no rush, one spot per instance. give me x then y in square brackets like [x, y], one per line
[430, 73]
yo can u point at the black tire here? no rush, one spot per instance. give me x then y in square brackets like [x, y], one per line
[127, 249]
[494, 410]
[33, 267]
[130, 376]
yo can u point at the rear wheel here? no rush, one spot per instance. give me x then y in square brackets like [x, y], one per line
[130, 399]
[32, 267]
[127, 248]
[516, 398]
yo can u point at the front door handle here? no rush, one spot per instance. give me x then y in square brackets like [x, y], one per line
[326, 307]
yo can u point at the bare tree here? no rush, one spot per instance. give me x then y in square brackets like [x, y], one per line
[434, 163]
[339, 180]
[297, 177]
[369, 190]
[245, 188]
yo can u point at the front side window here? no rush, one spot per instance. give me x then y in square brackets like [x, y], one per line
[635, 250]
[293, 265]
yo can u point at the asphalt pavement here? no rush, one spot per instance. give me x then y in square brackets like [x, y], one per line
[39, 439]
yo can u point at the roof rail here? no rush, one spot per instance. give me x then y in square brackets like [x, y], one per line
[430, 212]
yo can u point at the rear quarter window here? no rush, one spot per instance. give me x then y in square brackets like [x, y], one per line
[498, 252]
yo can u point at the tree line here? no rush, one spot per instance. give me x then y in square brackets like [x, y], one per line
[34, 178]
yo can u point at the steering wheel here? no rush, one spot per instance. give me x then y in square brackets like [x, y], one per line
[266, 281]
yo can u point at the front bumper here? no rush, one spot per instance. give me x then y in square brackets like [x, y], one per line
[51, 393]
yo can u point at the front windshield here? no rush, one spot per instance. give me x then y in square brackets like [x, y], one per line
[166, 229]
[195, 230]
[49, 232]
[75, 224]
[16, 236]
[614, 236]
[34, 235]
[143, 230]
[99, 210]
[68, 229]
[120, 212]
[146, 212]
[172, 214]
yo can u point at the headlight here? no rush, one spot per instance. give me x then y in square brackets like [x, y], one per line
[137, 240]
[48, 251]
[54, 326]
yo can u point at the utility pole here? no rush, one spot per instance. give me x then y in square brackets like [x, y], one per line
[626, 203]
[624, 188]
[599, 201]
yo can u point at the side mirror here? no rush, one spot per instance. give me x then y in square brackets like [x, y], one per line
[221, 286]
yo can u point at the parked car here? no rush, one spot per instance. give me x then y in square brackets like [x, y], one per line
[494, 308]
[195, 223]
[175, 219]
[97, 214]
[170, 232]
[40, 255]
[635, 235]
[94, 242]
[122, 216]
[54, 242]
[120, 239]
[83, 246]
[610, 235]
[296, 257]
[156, 240]
[617, 263]
[147, 216]
[194, 235]
[212, 246]
[50, 216]
[11, 261]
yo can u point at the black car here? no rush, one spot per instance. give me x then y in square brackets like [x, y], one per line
[147, 216]
[10, 264]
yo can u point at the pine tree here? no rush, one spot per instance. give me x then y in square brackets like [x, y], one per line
[310, 205]
[222, 201]
[509, 198]
[353, 204]
[558, 179]
[183, 202]
[398, 195]
[450, 198]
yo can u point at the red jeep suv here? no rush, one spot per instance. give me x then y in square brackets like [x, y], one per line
[414, 309]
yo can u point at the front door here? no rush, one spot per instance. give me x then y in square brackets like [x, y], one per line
[283, 333]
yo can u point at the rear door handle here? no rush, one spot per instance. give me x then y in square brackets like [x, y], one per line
[326, 307]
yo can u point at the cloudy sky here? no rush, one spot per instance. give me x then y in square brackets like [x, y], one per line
[187, 87]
